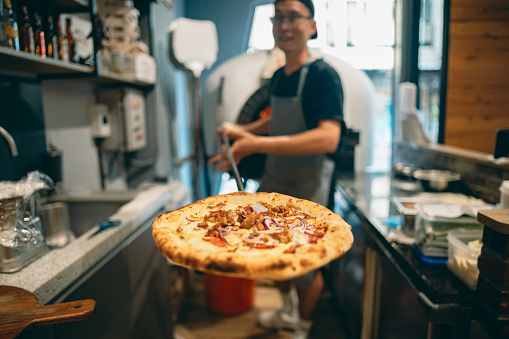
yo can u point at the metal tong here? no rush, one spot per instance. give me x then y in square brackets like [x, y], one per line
[229, 155]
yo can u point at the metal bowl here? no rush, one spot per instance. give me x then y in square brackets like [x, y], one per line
[437, 180]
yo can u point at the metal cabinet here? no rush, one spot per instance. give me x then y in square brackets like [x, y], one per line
[385, 291]
[133, 290]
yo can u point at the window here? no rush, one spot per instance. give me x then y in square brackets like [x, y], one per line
[261, 30]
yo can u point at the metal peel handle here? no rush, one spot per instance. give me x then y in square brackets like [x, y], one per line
[229, 155]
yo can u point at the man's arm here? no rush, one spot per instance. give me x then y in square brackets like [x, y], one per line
[260, 126]
[320, 140]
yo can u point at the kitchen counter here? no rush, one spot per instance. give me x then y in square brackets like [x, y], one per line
[438, 291]
[52, 273]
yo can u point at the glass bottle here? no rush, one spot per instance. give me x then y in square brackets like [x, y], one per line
[71, 43]
[51, 40]
[10, 26]
[27, 33]
[3, 36]
[61, 43]
[39, 37]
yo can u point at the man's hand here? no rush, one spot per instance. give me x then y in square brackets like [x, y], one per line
[244, 144]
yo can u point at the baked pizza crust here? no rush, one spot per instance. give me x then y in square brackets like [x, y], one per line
[175, 240]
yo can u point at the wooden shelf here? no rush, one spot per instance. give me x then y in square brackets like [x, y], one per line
[15, 61]
[33, 65]
[21, 64]
[111, 77]
[70, 3]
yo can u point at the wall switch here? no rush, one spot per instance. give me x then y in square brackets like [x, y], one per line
[100, 121]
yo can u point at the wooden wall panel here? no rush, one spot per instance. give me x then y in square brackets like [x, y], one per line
[478, 73]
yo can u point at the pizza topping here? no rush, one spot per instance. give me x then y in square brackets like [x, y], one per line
[222, 235]
[259, 208]
[262, 246]
[283, 237]
[253, 235]
[249, 222]
[291, 249]
[260, 227]
[216, 241]
[241, 239]
[218, 234]
[203, 224]
[268, 227]
[314, 237]
[270, 223]
[300, 224]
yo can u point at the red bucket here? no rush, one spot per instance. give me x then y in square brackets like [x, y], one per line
[229, 295]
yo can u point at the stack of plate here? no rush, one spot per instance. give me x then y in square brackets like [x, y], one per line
[435, 221]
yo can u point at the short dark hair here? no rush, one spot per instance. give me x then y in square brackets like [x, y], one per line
[310, 6]
[307, 3]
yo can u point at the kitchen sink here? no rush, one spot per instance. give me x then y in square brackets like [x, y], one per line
[62, 221]
[79, 214]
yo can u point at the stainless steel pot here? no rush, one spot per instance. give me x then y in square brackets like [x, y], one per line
[437, 180]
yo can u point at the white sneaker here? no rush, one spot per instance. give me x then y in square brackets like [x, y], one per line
[277, 319]
[302, 331]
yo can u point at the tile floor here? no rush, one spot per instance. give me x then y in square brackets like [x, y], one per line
[196, 321]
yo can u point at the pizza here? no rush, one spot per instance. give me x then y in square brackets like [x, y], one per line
[252, 235]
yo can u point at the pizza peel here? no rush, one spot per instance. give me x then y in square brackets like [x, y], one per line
[19, 310]
[229, 155]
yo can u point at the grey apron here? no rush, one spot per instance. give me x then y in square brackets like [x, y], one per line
[306, 177]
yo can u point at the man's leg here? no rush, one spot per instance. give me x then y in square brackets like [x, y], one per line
[286, 317]
[309, 297]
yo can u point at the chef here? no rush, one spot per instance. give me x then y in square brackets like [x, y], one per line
[306, 99]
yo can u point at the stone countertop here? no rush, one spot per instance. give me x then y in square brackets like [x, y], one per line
[55, 270]
[369, 196]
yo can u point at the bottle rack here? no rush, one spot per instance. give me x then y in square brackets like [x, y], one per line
[19, 63]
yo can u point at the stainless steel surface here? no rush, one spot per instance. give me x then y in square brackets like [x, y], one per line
[371, 303]
[364, 204]
[408, 213]
[83, 215]
[13, 259]
[10, 141]
[56, 224]
[436, 180]
[403, 171]
[407, 208]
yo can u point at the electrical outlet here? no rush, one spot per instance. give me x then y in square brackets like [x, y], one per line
[128, 123]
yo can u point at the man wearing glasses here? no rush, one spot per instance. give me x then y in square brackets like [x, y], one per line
[306, 100]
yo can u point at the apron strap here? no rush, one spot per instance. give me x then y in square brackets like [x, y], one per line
[302, 78]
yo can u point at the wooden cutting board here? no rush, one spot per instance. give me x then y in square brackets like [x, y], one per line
[497, 219]
[19, 310]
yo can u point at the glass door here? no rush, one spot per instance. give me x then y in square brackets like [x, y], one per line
[430, 65]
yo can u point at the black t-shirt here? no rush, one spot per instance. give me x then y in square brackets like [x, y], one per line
[322, 95]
